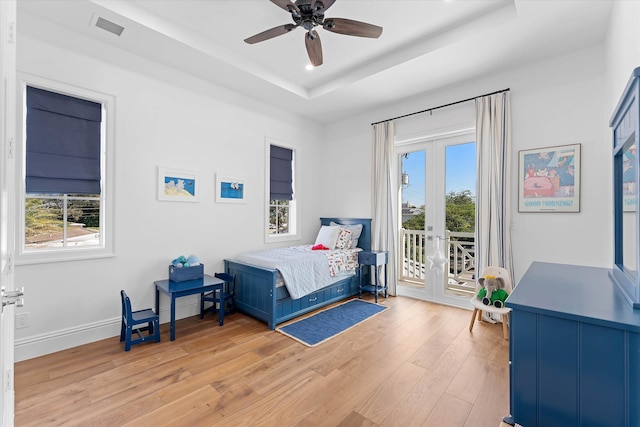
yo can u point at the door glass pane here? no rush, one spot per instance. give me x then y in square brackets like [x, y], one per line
[461, 215]
[413, 216]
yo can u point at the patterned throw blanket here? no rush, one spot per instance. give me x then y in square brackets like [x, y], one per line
[304, 271]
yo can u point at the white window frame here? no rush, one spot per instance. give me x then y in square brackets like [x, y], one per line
[107, 138]
[294, 210]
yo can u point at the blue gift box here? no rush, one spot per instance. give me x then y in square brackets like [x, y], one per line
[186, 273]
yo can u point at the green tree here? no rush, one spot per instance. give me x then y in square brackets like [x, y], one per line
[415, 223]
[86, 212]
[41, 217]
[460, 213]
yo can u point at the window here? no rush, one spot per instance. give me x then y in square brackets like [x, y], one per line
[279, 217]
[63, 212]
[281, 209]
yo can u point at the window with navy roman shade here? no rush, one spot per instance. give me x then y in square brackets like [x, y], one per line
[62, 144]
[281, 170]
[66, 161]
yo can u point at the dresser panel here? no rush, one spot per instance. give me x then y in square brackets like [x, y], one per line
[575, 357]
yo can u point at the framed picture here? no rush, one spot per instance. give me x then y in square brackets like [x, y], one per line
[177, 185]
[549, 179]
[230, 189]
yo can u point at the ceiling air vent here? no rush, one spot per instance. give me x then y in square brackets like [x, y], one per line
[109, 26]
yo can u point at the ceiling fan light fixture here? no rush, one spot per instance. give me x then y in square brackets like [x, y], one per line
[329, 24]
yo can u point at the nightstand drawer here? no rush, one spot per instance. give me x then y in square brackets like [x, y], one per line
[372, 258]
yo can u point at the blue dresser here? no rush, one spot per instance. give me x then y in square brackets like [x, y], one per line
[574, 349]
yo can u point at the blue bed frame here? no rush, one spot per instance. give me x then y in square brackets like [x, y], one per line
[258, 296]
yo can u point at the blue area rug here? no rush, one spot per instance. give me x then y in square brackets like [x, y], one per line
[325, 325]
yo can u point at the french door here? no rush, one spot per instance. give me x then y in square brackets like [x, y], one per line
[7, 196]
[8, 291]
[437, 214]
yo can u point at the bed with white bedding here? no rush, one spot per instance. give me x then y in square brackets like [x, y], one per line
[280, 284]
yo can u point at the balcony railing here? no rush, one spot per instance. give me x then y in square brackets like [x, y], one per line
[461, 248]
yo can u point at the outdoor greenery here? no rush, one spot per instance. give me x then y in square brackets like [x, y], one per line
[460, 217]
[45, 216]
[460, 213]
[40, 219]
[278, 217]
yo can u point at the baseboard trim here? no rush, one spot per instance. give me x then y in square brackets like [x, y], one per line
[62, 339]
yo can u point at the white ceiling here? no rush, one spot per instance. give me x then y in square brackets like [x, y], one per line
[425, 44]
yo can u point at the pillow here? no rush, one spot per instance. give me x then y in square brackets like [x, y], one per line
[344, 239]
[356, 230]
[328, 236]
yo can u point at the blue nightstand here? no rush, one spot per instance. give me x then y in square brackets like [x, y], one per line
[376, 259]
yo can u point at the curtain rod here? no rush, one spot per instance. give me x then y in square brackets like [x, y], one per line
[441, 106]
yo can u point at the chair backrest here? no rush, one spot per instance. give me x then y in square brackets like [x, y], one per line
[229, 278]
[126, 304]
[497, 272]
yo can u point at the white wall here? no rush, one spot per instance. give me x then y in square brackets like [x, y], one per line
[158, 123]
[172, 119]
[623, 48]
[555, 102]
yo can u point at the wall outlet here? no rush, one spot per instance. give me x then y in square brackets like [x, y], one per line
[22, 320]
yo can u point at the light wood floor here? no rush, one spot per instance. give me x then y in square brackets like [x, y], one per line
[416, 364]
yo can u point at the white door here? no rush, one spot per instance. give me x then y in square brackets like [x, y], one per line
[7, 197]
[436, 173]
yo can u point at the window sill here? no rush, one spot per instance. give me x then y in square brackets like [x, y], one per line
[44, 257]
[281, 238]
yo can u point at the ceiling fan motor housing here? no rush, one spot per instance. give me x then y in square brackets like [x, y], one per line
[309, 16]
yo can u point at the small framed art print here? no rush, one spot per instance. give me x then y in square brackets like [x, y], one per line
[230, 189]
[177, 185]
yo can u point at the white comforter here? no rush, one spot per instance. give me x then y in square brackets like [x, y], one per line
[304, 271]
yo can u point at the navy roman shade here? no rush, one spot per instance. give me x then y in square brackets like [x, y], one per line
[281, 179]
[63, 144]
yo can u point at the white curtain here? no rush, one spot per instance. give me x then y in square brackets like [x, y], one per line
[384, 224]
[493, 141]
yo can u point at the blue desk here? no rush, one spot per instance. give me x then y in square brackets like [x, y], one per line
[182, 289]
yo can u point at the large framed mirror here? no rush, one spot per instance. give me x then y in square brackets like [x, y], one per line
[624, 123]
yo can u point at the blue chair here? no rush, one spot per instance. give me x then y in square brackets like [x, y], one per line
[130, 321]
[227, 297]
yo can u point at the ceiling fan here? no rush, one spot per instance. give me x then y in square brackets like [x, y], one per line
[309, 14]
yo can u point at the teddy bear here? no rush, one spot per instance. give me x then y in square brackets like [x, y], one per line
[492, 291]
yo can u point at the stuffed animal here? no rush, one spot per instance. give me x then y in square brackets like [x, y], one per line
[492, 291]
[183, 261]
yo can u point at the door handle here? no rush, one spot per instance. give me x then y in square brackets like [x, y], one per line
[12, 297]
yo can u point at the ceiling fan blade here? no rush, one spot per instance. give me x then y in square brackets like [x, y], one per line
[271, 33]
[287, 5]
[314, 47]
[323, 4]
[352, 28]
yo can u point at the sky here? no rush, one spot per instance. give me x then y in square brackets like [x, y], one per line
[460, 172]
